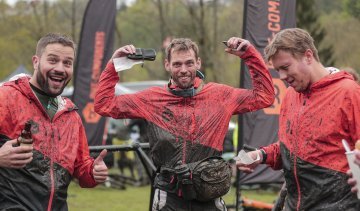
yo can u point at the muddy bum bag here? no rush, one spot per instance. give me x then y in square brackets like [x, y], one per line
[204, 180]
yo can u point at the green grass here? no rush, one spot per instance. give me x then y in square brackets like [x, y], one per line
[132, 198]
[102, 198]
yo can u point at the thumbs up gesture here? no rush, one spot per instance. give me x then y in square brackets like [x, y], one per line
[100, 170]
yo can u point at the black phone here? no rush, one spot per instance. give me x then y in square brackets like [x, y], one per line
[148, 54]
[234, 49]
[225, 43]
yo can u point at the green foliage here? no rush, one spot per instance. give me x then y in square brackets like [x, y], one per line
[307, 18]
[343, 31]
[353, 8]
[146, 23]
[22, 24]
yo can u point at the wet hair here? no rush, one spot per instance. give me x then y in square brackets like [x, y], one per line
[293, 40]
[53, 38]
[181, 44]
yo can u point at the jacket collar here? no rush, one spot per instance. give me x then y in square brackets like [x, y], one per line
[22, 84]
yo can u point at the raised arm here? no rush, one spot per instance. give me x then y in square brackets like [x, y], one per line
[262, 94]
[105, 95]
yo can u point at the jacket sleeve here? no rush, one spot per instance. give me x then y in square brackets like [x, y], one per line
[133, 105]
[351, 109]
[7, 126]
[262, 94]
[273, 155]
[84, 163]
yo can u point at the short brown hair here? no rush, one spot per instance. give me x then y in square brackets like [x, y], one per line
[294, 40]
[52, 38]
[181, 44]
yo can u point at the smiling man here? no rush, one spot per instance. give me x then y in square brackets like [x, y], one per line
[187, 119]
[36, 177]
[321, 107]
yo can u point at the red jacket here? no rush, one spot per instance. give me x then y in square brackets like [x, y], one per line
[60, 150]
[186, 129]
[310, 151]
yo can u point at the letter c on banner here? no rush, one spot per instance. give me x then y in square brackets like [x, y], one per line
[280, 90]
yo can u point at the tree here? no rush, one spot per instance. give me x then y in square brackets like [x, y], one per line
[307, 18]
[22, 24]
[353, 8]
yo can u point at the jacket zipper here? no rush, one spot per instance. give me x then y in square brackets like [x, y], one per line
[184, 139]
[52, 179]
[51, 170]
[297, 185]
[295, 157]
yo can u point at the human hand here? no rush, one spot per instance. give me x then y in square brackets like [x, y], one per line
[248, 168]
[15, 157]
[237, 46]
[100, 170]
[124, 51]
[352, 182]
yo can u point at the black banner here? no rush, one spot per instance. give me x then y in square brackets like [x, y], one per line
[262, 20]
[95, 49]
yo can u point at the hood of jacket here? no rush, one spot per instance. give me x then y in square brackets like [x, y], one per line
[21, 83]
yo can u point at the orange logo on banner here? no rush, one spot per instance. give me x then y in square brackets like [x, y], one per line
[89, 114]
[280, 90]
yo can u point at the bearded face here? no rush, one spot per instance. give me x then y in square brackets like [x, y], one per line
[53, 69]
[52, 82]
[182, 67]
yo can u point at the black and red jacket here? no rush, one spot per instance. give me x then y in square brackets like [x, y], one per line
[186, 129]
[310, 150]
[60, 151]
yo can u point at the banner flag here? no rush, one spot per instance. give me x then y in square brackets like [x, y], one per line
[262, 20]
[94, 51]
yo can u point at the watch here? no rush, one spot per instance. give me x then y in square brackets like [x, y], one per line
[264, 156]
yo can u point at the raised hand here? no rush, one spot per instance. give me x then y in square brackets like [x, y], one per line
[124, 51]
[237, 46]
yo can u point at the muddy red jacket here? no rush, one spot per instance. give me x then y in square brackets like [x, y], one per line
[60, 151]
[310, 151]
[186, 129]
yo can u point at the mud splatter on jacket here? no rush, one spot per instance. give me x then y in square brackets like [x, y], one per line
[60, 151]
[309, 150]
[186, 129]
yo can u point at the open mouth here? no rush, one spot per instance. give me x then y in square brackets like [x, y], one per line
[57, 80]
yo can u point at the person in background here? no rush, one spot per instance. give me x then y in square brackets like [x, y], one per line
[37, 176]
[321, 107]
[188, 119]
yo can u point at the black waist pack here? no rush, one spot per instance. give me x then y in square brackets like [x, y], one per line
[143, 54]
[203, 180]
[211, 178]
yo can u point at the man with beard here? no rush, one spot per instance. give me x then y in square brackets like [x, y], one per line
[36, 176]
[321, 107]
[188, 119]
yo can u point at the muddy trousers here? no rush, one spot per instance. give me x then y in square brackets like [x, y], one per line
[164, 201]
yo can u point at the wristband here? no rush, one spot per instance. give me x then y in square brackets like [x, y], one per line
[264, 156]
